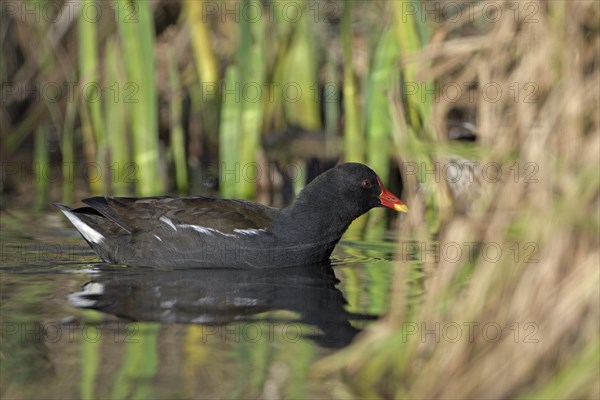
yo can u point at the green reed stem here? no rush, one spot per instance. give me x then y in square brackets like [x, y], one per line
[418, 131]
[378, 121]
[93, 125]
[177, 135]
[41, 167]
[354, 142]
[68, 153]
[138, 56]
[252, 65]
[331, 102]
[206, 62]
[231, 112]
[300, 88]
[205, 101]
[116, 120]
[379, 124]
[408, 31]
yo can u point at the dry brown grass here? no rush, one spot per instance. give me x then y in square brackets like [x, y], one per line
[552, 301]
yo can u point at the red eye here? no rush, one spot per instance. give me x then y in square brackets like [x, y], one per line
[366, 184]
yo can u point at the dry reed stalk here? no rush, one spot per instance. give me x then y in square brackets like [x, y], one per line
[546, 307]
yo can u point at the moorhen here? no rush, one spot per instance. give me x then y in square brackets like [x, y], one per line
[206, 232]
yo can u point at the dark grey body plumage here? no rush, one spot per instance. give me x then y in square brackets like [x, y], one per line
[202, 232]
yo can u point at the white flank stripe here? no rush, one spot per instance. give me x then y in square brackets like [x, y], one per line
[249, 231]
[168, 222]
[200, 229]
[211, 231]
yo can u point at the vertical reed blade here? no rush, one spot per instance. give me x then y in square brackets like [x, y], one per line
[353, 135]
[138, 55]
[300, 87]
[378, 122]
[116, 101]
[68, 153]
[252, 65]
[178, 151]
[231, 112]
[93, 124]
[41, 166]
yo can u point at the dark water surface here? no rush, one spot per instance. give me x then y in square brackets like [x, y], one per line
[73, 327]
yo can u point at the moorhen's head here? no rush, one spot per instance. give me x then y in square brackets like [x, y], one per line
[351, 189]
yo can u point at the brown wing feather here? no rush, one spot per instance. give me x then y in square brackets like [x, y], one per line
[222, 214]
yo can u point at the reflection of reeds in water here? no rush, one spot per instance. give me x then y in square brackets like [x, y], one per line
[533, 311]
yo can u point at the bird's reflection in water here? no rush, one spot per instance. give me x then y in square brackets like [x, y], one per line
[218, 297]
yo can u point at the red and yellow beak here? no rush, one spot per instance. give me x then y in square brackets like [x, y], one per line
[389, 200]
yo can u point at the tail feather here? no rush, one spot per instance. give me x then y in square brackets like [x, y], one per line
[101, 205]
[97, 230]
[91, 235]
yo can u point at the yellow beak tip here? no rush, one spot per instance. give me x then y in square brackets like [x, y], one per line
[401, 208]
